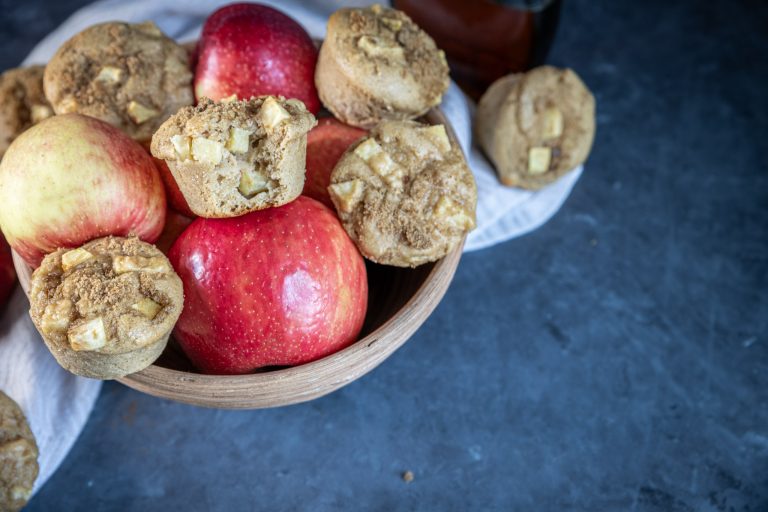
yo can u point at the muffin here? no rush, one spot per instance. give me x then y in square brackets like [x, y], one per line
[106, 309]
[18, 456]
[377, 64]
[404, 194]
[22, 102]
[536, 126]
[129, 75]
[234, 157]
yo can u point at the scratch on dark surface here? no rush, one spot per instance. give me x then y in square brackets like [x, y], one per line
[586, 219]
[626, 382]
[748, 342]
[694, 481]
[557, 333]
[756, 439]
[710, 345]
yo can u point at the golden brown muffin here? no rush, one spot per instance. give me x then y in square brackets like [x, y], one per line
[404, 194]
[376, 64]
[536, 126]
[129, 75]
[22, 102]
[18, 456]
[106, 309]
[233, 157]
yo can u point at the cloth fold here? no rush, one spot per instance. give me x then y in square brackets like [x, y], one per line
[57, 403]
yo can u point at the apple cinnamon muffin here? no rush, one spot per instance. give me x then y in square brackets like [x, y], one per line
[376, 64]
[106, 309]
[234, 157]
[18, 456]
[536, 126]
[404, 194]
[22, 102]
[129, 75]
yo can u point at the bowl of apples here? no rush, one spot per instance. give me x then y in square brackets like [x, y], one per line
[279, 305]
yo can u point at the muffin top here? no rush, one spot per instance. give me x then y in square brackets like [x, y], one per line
[129, 75]
[232, 157]
[22, 102]
[404, 193]
[218, 122]
[382, 51]
[536, 126]
[18, 456]
[112, 296]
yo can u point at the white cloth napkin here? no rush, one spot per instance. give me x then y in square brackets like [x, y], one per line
[57, 403]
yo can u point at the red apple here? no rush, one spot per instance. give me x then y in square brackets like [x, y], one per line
[326, 142]
[176, 199]
[175, 224]
[73, 178]
[252, 50]
[276, 287]
[7, 272]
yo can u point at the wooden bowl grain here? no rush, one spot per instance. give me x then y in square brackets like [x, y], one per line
[400, 301]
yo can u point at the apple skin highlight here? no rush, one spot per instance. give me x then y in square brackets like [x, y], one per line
[276, 287]
[254, 50]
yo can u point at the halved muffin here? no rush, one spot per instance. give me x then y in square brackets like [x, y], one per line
[234, 157]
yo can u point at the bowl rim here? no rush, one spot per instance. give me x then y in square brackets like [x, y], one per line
[287, 386]
[300, 383]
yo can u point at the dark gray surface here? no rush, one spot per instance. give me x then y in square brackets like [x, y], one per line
[615, 359]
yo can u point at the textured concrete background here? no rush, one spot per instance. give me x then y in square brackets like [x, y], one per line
[615, 359]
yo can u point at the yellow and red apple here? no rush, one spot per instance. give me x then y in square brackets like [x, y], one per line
[73, 178]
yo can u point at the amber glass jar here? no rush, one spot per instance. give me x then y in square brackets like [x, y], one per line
[486, 39]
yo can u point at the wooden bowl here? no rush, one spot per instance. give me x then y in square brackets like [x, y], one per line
[399, 301]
